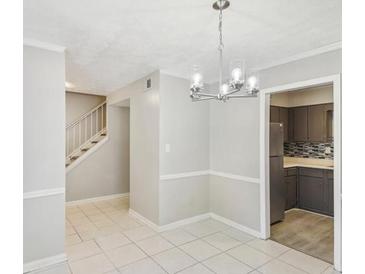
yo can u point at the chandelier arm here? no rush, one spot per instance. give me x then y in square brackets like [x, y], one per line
[233, 91]
[207, 95]
[203, 99]
[242, 96]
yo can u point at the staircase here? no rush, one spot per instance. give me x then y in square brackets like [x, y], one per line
[84, 134]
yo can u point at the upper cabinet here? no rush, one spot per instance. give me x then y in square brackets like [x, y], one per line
[305, 123]
[317, 131]
[284, 118]
[300, 124]
[274, 114]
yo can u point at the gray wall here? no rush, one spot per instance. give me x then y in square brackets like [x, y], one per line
[234, 149]
[144, 147]
[106, 171]
[223, 137]
[185, 127]
[78, 104]
[44, 152]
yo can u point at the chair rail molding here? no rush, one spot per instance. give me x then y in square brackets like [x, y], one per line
[43, 193]
[210, 172]
[43, 45]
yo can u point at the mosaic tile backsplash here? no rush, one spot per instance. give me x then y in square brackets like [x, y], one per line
[309, 150]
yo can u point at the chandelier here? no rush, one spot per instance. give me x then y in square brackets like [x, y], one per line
[238, 80]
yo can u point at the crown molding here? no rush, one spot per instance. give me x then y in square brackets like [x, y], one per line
[43, 45]
[302, 55]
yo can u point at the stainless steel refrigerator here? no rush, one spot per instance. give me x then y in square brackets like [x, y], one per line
[277, 184]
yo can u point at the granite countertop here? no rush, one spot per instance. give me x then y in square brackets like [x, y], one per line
[308, 162]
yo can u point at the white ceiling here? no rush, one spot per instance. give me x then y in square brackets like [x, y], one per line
[111, 43]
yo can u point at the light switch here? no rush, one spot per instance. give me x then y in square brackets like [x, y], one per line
[167, 148]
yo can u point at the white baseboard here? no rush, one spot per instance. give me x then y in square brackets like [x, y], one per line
[238, 226]
[98, 199]
[144, 220]
[169, 226]
[194, 219]
[319, 214]
[186, 221]
[43, 263]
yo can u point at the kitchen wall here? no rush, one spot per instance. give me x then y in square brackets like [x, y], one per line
[309, 150]
[44, 155]
[184, 128]
[303, 97]
[105, 171]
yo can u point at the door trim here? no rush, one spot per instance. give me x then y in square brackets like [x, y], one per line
[335, 80]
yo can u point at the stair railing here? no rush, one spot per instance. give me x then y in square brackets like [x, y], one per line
[83, 131]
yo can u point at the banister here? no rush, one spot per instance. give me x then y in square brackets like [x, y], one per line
[85, 115]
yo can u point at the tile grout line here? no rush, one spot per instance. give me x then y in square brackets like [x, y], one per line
[120, 209]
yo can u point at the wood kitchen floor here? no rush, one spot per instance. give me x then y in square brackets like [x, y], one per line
[307, 232]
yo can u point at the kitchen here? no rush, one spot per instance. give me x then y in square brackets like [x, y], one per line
[301, 170]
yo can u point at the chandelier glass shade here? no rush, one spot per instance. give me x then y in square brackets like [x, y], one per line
[239, 80]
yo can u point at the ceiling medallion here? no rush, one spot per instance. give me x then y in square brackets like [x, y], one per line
[238, 80]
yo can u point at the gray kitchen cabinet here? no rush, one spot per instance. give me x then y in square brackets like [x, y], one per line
[310, 123]
[329, 122]
[300, 124]
[329, 186]
[291, 187]
[317, 131]
[284, 119]
[311, 193]
[274, 114]
[315, 190]
[290, 124]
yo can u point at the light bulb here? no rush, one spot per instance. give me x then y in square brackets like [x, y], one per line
[252, 82]
[225, 89]
[236, 74]
[197, 79]
[69, 85]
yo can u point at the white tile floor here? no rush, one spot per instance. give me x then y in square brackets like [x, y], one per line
[102, 238]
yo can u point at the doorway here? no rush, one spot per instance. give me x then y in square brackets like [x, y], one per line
[294, 214]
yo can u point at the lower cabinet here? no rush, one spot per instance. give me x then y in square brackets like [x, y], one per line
[310, 189]
[291, 187]
[315, 190]
[311, 194]
[330, 191]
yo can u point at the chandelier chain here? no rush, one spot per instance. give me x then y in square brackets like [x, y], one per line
[220, 48]
[220, 29]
